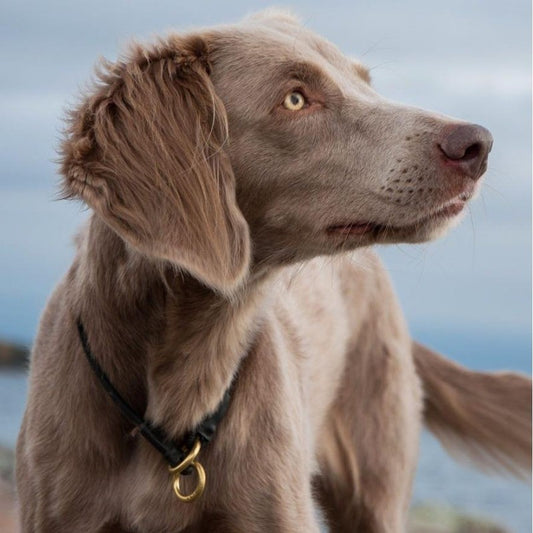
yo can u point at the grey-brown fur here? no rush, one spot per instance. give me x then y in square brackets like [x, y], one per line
[207, 252]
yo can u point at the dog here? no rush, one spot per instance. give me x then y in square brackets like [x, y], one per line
[238, 178]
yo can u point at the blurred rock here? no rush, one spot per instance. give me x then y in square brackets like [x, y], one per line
[8, 512]
[435, 519]
[8, 509]
[13, 355]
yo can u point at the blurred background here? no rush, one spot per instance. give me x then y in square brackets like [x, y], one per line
[468, 296]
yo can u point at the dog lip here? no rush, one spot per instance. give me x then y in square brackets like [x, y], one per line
[363, 228]
[453, 208]
[448, 210]
[353, 228]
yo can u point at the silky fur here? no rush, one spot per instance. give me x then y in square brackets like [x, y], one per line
[206, 260]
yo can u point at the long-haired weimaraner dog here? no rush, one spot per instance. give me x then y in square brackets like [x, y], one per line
[226, 352]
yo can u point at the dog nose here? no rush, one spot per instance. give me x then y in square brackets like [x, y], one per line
[467, 146]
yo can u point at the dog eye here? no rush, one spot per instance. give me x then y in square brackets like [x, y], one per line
[294, 101]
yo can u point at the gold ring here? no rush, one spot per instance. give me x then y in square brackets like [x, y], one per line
[189, 461]
[200, 486]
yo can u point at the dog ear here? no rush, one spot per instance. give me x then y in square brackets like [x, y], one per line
[146, 152]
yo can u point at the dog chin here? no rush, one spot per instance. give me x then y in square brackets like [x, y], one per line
[432, 230]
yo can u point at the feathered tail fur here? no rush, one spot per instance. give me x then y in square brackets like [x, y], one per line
[486, 416]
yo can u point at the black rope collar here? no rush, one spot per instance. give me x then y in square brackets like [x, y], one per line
[173, 452]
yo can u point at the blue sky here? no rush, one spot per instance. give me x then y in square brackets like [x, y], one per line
[467, 59]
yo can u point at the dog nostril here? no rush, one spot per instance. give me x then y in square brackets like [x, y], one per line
[472, 152]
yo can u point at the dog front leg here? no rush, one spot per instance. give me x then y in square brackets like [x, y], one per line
[368, 450]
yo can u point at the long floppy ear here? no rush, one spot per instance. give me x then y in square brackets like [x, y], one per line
[146, 152]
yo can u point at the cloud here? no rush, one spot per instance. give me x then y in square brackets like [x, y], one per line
[459, 80]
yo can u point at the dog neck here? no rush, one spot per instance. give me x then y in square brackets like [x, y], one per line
[205, 339]
[186, 341]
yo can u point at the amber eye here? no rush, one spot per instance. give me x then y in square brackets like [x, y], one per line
[294, 101]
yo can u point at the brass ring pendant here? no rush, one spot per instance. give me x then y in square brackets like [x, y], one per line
[199, 489]
[189, 461]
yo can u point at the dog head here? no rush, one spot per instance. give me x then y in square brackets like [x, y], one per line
[262, 136]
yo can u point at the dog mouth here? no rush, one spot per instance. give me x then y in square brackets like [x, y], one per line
[364, 228]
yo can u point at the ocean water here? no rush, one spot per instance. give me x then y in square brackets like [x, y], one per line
[443, 481]
[439, 479]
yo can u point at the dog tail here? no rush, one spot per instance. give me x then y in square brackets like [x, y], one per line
[483, 416]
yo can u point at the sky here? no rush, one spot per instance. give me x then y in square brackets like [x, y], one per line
[467, 293]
